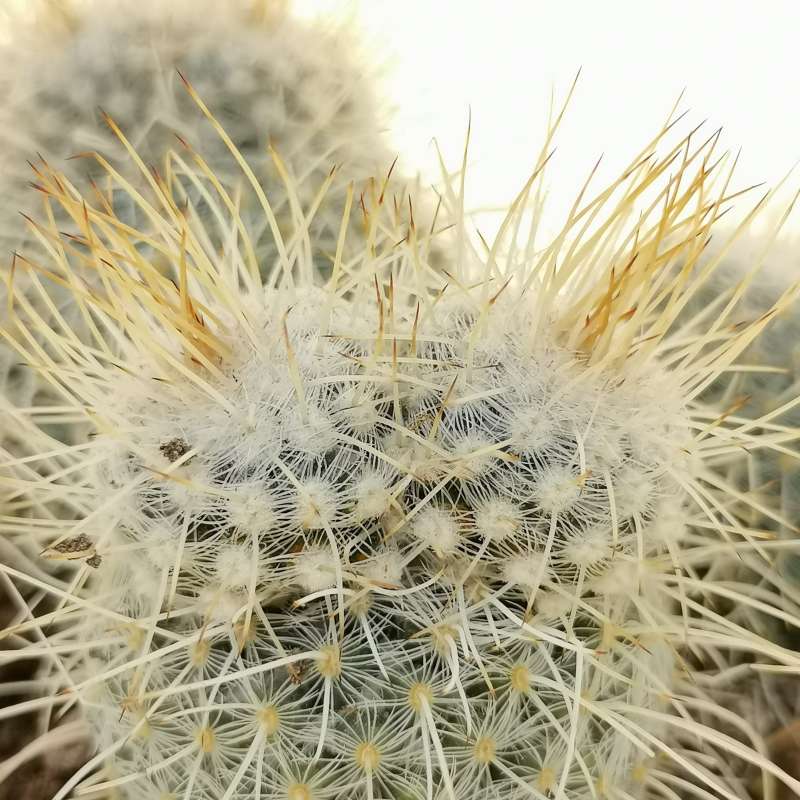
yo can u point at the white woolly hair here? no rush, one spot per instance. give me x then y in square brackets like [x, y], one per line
[396, 531]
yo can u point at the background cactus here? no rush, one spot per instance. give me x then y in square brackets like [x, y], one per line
[764, 386]
[301, 87]
[399, 532]
[768, 380]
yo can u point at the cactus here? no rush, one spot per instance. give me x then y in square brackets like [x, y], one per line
[397, 532]
[299, 88]
[764, 388]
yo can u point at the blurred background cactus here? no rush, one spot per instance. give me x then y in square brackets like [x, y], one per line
[299, 87]
[764, 386]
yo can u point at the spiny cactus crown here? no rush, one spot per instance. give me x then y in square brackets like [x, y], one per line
[405, 508]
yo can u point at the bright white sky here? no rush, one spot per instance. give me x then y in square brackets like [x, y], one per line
[738, 61]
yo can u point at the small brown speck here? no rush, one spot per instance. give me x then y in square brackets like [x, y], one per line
[174, 449]
[296, 672]
[94, 561]
[77, 544]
